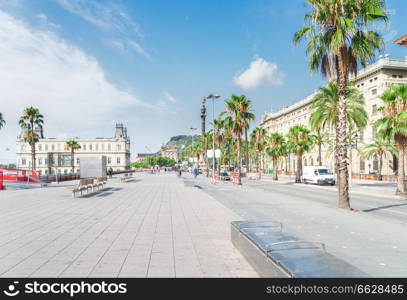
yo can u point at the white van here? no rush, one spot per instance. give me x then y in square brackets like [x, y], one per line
[318, 175]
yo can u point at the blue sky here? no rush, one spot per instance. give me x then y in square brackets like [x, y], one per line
[87, 64]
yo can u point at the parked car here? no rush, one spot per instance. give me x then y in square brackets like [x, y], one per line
[224, 176]
[317, 175]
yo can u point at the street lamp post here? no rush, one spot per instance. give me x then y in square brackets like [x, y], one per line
[213, 97]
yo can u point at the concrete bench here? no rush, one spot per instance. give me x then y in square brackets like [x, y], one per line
[88, 185]
[126, 177]
[273, 253]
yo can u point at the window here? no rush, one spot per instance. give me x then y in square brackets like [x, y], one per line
[52, 147]
[65, 171]
[401, 76]
[40, 161]
[374, 91]
[362, 165]
[90, 147]
[118, 160]
[77, 161]
[103, 147]
[394, 76]
[109, 160]
[39, 147]
[23, 162]
[84, 147]
[375, 78]
[118, 147]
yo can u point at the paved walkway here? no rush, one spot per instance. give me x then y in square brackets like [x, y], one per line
[153, 226]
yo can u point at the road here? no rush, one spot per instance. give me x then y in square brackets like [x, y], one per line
[373, 239]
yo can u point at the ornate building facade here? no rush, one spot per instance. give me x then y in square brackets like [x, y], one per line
[372, 81]
[53, 157]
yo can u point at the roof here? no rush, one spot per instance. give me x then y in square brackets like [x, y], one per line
[402, 40]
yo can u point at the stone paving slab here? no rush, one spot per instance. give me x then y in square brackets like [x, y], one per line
[152, 227]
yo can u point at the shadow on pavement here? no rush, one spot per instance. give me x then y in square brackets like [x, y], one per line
[383, 207]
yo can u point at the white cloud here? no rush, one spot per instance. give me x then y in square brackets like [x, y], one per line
[69, 87]
[260, 72]
[108, 16]
[135, 46]
[44, 19]
[170, 97]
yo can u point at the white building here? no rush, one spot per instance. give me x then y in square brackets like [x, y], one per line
[53, 157]
[372, 81]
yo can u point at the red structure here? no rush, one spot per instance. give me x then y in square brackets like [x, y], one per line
[1, 180]
[19, 175]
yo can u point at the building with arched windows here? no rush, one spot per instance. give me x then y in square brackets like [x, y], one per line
[53, 157]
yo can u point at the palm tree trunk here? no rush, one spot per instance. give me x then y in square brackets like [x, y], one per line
[320, 154]
[246, 149]
[380, 167]
[401, 171]
[72, 161]
[275, 176]
[239, 162]
[343, 173]
[257, 164]
[33, 156]
[299, 169]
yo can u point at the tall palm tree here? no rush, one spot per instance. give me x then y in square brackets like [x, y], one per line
[393, 126]
[30, 121]
[320, 138]
[325, 111]
[72, 146]
[239, 109]
[2, 121]
[299, 142]
[258, 142]
[338, 39]
[276, 148]
[379, 148]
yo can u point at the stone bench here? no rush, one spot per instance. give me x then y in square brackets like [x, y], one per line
[126, 177]
[89, 185]
[273, 253]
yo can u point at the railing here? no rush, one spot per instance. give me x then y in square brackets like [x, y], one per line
[20, 175]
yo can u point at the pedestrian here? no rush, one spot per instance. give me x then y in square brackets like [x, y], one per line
[195, 172]
[110, 172]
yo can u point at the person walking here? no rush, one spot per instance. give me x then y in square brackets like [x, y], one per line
[110, 172]
[195, 172]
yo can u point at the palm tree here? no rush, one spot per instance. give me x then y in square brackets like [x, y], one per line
[325, 111]
[218, 125]
[320, 138]
[325, 108]
[393, 126]
[30, 121]
[299, 142]
[228, 137]
[206, 142]
[2, 121]
[258, 142]
[377, 149]
[338, 39]
[239, 109]
[72, 146]
[276, 148]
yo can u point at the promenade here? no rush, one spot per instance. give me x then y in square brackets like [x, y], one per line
[153, 226]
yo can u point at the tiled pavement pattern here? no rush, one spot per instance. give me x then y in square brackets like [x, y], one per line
[150, 227]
